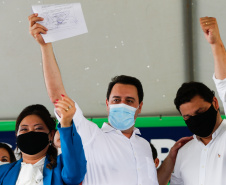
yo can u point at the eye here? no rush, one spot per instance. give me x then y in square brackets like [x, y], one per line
[201, 111]
[4, 160]
[130, 101]
[22, 129]
[116, 100]
[39, 128]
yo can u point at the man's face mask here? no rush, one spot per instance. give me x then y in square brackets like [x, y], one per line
[32, 142]
[121, 116]
[203, 124]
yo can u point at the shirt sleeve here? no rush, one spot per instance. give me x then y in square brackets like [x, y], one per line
[221, 89]
[73, 156]
[176, 178]
[85, 128]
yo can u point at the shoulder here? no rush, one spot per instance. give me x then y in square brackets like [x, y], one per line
[188, 146]
[4, 169]
[7, 166]
[143, 143]
[140, 139]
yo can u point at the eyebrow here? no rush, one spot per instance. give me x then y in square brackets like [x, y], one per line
[197, 111]
[5, 157]
[128, 97]
[34, 125]
[116, 97]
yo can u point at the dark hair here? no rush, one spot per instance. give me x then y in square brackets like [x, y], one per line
[154, 151]
[10, 151]
[123, 79]
[189, 90]
[43, 113]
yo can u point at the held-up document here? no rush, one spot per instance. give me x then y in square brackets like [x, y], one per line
[62, 20]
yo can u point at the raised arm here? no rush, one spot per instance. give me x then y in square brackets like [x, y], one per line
[54, 83]
[212, 34]
[211, 31]
[53, 80]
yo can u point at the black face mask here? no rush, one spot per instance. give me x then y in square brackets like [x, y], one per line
[203, 124]
[32, 142]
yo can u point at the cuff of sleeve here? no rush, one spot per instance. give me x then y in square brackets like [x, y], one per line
[220, 84]
[59, 126]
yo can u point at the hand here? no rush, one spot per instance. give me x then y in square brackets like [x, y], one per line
[210, 29]
[56, 139]
[66, 110]
[174, 150]
[36, 29]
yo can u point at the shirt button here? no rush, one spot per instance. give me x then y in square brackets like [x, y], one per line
[203, 166]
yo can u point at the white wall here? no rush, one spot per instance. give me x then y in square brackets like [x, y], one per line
[146, 39]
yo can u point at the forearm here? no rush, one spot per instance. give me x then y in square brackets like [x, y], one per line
[74, 162]
[165, 170]
[53, 80]
[219, 55]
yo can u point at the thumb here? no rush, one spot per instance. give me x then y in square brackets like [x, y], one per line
[177, 146]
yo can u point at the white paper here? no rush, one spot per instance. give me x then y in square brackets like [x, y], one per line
[62, 21]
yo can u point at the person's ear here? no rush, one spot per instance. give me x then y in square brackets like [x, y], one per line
[51, 135]
[140, 107]
[107, 104]
[156, 162]
[215, 103]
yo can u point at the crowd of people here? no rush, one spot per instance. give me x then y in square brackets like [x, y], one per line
[82, 153]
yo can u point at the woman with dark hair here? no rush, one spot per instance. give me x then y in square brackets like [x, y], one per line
[39, 163]
[6, 154]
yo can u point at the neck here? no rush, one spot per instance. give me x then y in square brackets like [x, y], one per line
[128, 133]
[208, 139]
[32, 159]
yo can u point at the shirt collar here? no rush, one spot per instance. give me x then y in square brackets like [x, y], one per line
[107, 128]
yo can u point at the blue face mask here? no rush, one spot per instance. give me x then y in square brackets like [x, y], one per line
[121, 116]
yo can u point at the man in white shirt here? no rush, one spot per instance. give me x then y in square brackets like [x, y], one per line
[115, 154]
[202, 160]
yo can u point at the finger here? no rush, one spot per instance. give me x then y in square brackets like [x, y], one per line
[204, 19]
[62, 104]
[32, 15]
[61, 111]
[37, 32]
[37, 25]
[184, 140]
[208, 22]
[207, 25]
[66, 106]
[33, 20]
[69, 101]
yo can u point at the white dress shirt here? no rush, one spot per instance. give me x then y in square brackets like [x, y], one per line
[31, 174]
[199, 164]
[112, 158]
